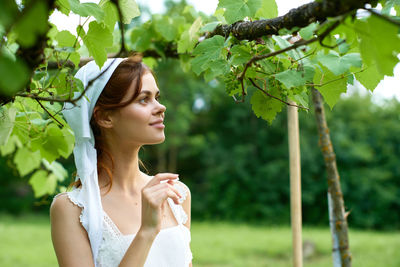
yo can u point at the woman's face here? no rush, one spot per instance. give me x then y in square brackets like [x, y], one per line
[140, 122]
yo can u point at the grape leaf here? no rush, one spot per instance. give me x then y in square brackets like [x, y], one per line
[308, 32]
[63, 6]
[268, 9]
[57, 169]
[26, 160]
[369, 77]
[207, 51]
[141, 37]
[329, 85]
[238, 9]
[378, 46]
[337, 64]
[110, 14]
[190, 37]
[167, 27]
[294, 78]
[52, 143]
[282, 43]
[209, 27]
[129, 9]
[42, 183]
[27, 32]
[264, 106]
[87, 9]
[240, 54]
[65, 38]
[7, 119]
[13, 74]
[97, 39]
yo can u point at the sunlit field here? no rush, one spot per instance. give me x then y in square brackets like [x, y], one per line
[25, 241]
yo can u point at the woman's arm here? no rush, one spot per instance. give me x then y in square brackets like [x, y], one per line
[154, 194]
[70, 240]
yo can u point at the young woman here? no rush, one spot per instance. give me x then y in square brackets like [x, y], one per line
[116, 215]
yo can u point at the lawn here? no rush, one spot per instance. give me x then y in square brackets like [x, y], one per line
[25, 241]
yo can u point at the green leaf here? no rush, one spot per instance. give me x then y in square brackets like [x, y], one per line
[295, 78]
[110, 14]
[63, 6]
[217, 67]
[52, 144]
[166, 27]
[282, 43]
[329, 85]
[207, 51]
[301, 99]
[129, 9]
[7, 120]
[87, 9]
[14, 75]
[264, 106]
[379, 43]
[238, 9]
[339, 65]
[32, 24]
[26, 160]
[308, 32]
[97, 39]
[9, 10]
[369, 77]
[268, 10]
[65, 38]
[141, 37]
[57, 169]
[42, 183]
[209, 27]
[190, 37]
[10, 146]
[240, 54]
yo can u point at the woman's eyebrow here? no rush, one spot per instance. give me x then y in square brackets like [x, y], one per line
[149, 92]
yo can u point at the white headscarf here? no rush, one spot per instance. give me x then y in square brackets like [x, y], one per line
[78, 117]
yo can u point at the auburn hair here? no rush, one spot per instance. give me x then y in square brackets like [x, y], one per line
[128, 73]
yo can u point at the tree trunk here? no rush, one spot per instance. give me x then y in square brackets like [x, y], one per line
[338, 221]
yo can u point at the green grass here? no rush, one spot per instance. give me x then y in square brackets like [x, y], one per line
[25, 241]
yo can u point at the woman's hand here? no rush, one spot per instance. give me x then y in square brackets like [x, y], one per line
[154, 194]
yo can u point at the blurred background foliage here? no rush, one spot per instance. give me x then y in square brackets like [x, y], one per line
[237, 165]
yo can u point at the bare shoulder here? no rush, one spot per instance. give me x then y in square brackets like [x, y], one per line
[63, 207]
[70, 239]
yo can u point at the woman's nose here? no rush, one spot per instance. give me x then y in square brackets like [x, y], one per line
[160, 107]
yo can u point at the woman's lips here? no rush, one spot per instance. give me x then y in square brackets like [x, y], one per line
[158, 125]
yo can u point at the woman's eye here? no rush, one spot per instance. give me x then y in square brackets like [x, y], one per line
[143, 100]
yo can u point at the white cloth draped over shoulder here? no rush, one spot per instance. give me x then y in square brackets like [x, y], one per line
[78, 118]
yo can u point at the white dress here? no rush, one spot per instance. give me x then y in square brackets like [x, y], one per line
[170, 248]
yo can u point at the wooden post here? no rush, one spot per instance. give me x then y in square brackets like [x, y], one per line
[295, 185]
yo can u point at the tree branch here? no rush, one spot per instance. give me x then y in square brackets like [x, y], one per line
[274, 97]
[297, 17]
[388, 19]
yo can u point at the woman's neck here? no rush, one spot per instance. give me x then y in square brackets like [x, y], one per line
[126, 176]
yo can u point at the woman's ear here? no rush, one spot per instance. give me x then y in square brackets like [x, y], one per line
[103, 118]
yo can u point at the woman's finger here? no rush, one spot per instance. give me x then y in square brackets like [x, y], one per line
[162, 177]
